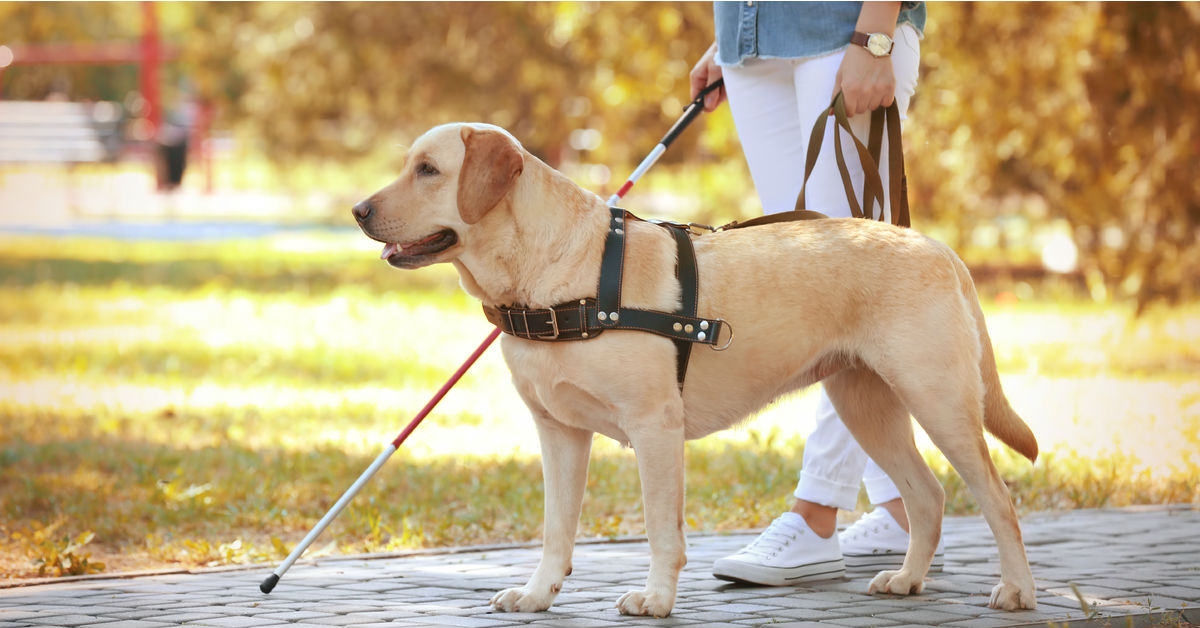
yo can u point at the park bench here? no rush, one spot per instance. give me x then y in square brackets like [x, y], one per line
[52, 132]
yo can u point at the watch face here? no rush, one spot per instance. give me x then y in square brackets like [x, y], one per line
[879, 44]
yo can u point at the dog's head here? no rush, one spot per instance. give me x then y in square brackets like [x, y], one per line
[452, 177]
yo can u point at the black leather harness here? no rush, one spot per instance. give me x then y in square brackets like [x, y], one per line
[587, 318]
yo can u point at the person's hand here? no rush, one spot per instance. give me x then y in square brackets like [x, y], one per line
[867, 82]
[705, 73]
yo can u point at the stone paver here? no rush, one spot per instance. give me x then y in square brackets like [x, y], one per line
[1128, 564]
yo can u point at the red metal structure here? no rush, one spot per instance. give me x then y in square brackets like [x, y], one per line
[152, 58]
[148, 55]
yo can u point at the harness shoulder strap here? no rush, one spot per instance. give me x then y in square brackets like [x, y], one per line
[689, 283]
[682, 326]
[612, 268]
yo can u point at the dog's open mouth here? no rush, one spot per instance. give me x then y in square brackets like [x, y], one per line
[413, 254]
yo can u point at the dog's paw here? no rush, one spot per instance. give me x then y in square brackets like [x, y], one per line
[645, 603]
[896, 582]
[521, 601]
[1011, 597]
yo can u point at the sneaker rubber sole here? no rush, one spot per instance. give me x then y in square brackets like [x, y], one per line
[885, 560]
[747, 573]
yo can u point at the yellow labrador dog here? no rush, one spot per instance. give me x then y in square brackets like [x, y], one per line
[887, 318]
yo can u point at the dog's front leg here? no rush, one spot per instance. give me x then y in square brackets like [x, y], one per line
[565, 453]
[660, 464]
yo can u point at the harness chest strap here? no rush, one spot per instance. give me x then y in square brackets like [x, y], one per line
[586, 318]
[580, 320]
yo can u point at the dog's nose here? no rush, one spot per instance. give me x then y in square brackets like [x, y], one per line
[363, 210]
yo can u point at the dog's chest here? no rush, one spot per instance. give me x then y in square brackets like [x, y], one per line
[553, 383]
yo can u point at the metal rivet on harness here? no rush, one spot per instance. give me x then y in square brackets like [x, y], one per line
[687, 328]
[614, 317]
[703, 324]
[584, 334]
[677, 327]
[619, 231]
[602, 316]
[583, 301]
[701, 336]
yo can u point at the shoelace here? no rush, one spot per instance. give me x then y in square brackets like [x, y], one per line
[870, 523]
[776, 537]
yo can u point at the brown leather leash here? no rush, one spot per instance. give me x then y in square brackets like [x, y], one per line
[868, 155]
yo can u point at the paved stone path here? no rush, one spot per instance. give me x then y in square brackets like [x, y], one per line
[1130, 565]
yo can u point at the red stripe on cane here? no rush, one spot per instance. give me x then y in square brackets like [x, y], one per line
[624, 188]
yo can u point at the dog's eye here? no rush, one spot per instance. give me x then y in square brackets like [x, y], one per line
[426, 169]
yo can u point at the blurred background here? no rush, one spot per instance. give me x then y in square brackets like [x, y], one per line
[196, 346]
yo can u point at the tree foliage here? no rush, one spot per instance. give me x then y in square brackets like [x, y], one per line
[334, 79]
[64, 23]
[1079, 112]
[1027, 114]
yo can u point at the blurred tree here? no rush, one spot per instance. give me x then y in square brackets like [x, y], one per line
[342, 80]
[1084, 112]
[63, 23]
[1076, 112]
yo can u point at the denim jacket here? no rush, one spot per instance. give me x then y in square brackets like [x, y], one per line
[792, 30]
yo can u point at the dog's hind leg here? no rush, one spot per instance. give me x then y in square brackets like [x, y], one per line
[949, 407]
[565, 452]
[880, 423]
[659, 447]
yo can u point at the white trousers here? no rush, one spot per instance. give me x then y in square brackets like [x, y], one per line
[774, 104]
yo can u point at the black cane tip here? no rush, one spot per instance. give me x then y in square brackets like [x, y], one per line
[269, 584]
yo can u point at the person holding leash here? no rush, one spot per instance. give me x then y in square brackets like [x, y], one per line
[782, 63]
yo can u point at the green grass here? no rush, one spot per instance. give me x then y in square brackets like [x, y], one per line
[205, 403]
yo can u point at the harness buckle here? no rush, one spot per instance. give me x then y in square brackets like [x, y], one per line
[694, 228]
[553, 324]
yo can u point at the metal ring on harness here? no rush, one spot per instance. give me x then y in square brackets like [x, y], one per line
[725, 346]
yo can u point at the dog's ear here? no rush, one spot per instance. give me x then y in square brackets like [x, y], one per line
[490, 169]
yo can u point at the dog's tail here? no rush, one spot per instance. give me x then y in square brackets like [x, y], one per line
[998, 416]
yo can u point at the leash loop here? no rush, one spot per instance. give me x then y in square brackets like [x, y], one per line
[869, 156]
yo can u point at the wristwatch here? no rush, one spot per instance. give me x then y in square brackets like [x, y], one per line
[878, 44]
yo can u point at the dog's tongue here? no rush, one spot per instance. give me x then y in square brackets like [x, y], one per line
[391, 248]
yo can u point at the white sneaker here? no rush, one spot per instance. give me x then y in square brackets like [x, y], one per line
[876, 541]
[787, 552]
